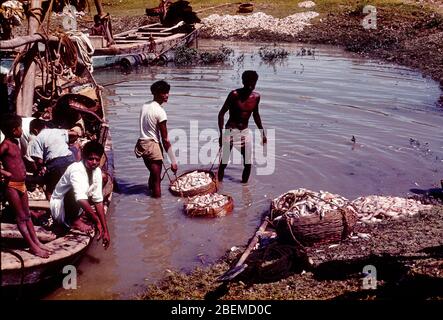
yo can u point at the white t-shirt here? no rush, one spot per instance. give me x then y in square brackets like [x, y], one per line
[76, 178]
[151, 115]
[26, 135]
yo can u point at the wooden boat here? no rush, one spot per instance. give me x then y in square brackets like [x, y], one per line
[143, 44]
[19, 267]
[84, 96]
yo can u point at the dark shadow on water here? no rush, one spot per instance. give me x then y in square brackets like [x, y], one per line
[428, 196]
[435, 192]
[127, 188]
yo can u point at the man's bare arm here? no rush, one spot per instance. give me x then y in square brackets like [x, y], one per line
[5, 173]
[167, 144]
[221, 114]
[84, 204]
[257, 120]
[105, 233]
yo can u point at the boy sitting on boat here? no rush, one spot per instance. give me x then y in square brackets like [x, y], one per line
[14, 175]
[78, 190]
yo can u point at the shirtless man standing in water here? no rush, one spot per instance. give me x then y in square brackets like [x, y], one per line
[240, 103]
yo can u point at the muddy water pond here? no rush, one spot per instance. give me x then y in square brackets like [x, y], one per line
[312, 106]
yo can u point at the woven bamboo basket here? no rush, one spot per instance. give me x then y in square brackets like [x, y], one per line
[246, 8]
[152, 12]
[335, 225]
[210, 188]
[211, 212]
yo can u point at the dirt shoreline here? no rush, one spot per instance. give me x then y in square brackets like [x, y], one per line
[409, 37]
[406, 34]
[407, 253]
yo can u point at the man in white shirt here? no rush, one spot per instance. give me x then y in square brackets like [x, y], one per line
[78, 189]
[153, 129]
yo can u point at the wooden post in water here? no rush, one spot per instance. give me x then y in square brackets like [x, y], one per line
[25, 100]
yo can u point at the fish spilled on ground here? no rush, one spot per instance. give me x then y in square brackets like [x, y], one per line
[372, 209]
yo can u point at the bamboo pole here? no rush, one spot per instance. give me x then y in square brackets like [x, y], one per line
[26, 99]
[98, 6]
[18, 42]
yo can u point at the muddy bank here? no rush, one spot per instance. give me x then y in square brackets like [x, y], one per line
[405, 34]
[407, 255]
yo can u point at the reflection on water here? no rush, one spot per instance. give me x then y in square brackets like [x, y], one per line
[316, 104]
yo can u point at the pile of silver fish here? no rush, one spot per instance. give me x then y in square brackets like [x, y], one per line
[302, 202]
[37, 194]
[255, 25]
[192, 180]
[306, 4]
[207, 201]
[373, 209]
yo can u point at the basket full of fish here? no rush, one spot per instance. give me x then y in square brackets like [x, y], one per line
[307, 217]
[192, 183]
[209, 205]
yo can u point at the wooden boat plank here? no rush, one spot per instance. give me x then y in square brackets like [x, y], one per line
[147, 35]
[136, 29]
[10, 231]
[163, 29]
[63, 247]
[39, 204]
[176, 36]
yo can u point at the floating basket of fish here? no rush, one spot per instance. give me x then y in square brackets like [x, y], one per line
[209, 205]
[307, 217]
[192, 183]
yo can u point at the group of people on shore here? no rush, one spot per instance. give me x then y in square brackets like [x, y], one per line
[240, 103]
[72, 178]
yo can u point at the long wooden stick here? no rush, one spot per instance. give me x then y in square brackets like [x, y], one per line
[24, 106]
[18, 42]
[240, 266]
[218, 6]
[252, 243]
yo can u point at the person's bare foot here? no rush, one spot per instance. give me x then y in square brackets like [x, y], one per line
[46, 248]
[39, 252]
[81, 226]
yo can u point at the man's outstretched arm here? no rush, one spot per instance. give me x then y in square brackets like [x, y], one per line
[257, 120]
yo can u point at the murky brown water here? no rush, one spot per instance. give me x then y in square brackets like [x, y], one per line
[315, 104]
